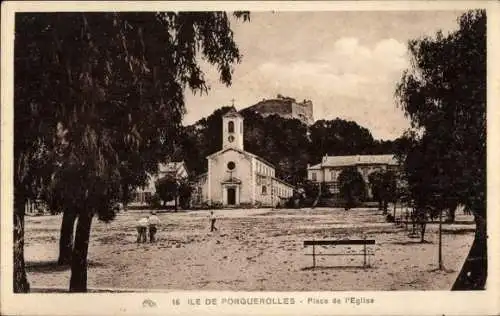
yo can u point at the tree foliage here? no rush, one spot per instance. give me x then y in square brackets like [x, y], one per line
[167, 188]
[444, 95]
[311, 189]
[352, 186]
[383, 187]
[102, 96]
[339, 137]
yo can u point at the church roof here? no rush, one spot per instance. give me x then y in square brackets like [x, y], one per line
[344, 161]
[243, 152]
[232, 113]
[283, 182]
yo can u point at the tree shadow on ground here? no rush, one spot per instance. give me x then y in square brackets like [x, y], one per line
[337, 267]
[65, 290]
[459, 231]
[53, 266]
[443, 270]
[459, 222]
[412, 242]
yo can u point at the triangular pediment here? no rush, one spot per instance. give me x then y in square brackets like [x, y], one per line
[220, 152]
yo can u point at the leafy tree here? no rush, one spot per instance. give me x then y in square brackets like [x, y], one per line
[311, 189]
[375, 182]
[153, 201]
[120, 80]
[352, 186]
[444, 95]
[280, 141]
[167, 189]
[185, 192]
[339, 137]
[383, 187]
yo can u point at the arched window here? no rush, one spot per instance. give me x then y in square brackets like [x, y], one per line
[230, 127]
[264, 190]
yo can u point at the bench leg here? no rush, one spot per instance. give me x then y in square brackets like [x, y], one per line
[314, 257]
[364, 255]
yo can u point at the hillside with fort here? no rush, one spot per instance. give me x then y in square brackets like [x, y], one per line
[285, 107]
[283, 132]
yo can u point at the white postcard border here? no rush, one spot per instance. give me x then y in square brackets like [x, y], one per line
[385, 303]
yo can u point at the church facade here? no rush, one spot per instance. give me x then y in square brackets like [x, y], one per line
[236, 177]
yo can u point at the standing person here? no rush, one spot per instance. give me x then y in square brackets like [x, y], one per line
[212, 221]
[142, 226]
[153, 222]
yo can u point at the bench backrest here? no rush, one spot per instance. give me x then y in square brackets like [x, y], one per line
[340, 242]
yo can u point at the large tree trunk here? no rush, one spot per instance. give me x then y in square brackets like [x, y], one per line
[475, 269]
[21, 284]
[78, 281]
[66, 238]
[125, 194]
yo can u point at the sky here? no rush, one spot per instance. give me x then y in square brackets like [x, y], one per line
[347, 63]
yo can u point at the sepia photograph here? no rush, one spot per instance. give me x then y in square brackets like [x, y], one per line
[246, 151]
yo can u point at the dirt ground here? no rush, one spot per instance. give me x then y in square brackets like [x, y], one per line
[257, 249]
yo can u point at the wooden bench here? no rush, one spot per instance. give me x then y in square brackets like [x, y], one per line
[343, 242]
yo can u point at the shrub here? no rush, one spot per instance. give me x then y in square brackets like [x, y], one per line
[153, 200]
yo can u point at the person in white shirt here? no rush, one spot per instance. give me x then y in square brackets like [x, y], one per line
[154, 222]
[142, 226]
[212, 221]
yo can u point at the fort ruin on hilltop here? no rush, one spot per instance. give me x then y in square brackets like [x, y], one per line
[286, 107]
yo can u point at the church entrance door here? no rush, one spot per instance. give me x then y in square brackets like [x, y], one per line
[231, 196]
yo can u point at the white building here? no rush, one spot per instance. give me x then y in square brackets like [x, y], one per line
[236, 177]
[176, 170]
[328, 170]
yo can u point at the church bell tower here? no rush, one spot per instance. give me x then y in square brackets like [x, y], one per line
[232, 130]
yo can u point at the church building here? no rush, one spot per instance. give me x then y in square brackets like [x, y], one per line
[236, 177]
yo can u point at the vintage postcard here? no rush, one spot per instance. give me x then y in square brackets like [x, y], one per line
[267, 158]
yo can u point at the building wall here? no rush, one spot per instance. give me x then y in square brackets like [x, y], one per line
[303, 111]
[317, 172]
[275, 191]
[274, 106]
[331, 174]
[219, 172]
[253, 180]
[142, 194]
[264, 169]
